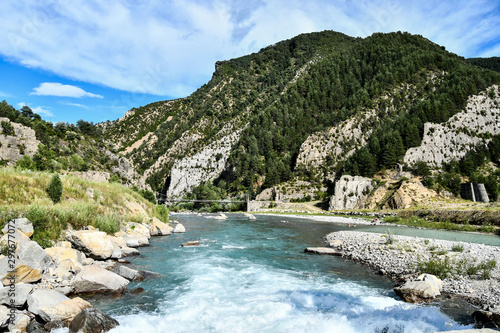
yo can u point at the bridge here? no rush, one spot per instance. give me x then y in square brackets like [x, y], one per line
[160, 197]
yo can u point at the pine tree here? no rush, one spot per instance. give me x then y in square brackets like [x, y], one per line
[55, 188]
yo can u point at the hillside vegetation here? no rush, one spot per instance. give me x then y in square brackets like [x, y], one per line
[309, 84]
[83, 203]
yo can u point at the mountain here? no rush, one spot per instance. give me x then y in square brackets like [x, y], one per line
[313, 108]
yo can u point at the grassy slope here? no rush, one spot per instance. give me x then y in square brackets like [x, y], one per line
[22, 193]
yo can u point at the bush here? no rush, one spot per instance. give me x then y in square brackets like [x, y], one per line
[55, 188]
[25, 162]
[148, 195]
[161, 212]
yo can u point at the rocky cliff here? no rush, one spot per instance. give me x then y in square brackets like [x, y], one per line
[351, 192]
[204, 166]
[16, 140]
[452, 140]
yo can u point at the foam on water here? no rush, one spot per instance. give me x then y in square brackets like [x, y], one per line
[231, 295]
[244, 282]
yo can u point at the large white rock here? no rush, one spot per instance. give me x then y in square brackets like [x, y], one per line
[179, 228]
[137, 228]
[203, 166]
[96, 279]
[424, 288]
[22, 224]
[158, 228]
[350, 192]
[95, 244]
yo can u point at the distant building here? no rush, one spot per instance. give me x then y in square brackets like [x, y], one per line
[474, 192]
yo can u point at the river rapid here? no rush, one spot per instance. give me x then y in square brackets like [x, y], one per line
[253, 276]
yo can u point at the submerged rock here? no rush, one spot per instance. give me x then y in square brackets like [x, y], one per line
[92, 320]
[191, 243]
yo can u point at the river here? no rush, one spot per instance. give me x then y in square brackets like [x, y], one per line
[253, 276]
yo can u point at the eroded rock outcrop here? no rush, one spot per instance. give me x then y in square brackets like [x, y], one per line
[21, 140]
[452, 140]
[351, 192]
[205, 165]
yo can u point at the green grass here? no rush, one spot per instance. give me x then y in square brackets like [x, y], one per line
[446, 225]
[444, 267]
[22, 194]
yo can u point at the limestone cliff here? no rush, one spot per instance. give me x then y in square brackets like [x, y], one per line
[452, 140]
[205, 165]
[351, 192]
[18, 141]
[293, 190]
[341, 141]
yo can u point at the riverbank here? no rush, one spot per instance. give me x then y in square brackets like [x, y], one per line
[463, 266]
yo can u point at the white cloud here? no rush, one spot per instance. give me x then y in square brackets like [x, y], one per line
[38, 109]
[169, 48]
[62, 90]
[4, 94]
[75, 104]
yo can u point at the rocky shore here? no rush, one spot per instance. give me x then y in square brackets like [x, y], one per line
[467, 269]
[39, 287]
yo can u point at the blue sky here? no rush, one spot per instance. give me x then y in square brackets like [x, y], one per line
[94, 60]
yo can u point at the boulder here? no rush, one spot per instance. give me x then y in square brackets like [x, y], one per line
[95, 244]
[158, 228]
[141, 239]
[138, 228]
[59, 254]
[96, 279]
[250, 216]
[21, 224]
[128, 273]
[20, 322]
[20, 292]
[33, 255]
[221, 216]
[51, 305]
[92, 320]
[323, 250]
[22, 274]
[128, 251]
[179, 228]
[425, 288]
[485, 318]
[131, 242]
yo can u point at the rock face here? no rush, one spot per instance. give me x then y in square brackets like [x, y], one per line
[350, 192]
[461, 133]
[341, 141]
[96, 279]
[285, 192]
[424, 288]
[206, 165]
[92, 320]
[22, 142]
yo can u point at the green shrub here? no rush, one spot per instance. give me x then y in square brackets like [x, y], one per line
[148, 195]
[55, 188]
[25, 162]
[458, 248]
[161, 212]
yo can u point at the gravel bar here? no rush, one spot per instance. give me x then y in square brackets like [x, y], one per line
[399, 256]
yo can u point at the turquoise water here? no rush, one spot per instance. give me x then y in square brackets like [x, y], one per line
[253, 276]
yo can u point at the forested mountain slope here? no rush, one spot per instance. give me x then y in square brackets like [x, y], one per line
[315, 107]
